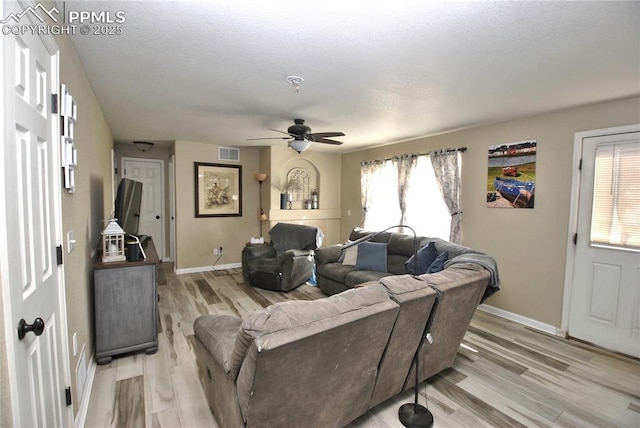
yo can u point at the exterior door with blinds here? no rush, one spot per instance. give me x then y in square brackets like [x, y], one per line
[605, 297]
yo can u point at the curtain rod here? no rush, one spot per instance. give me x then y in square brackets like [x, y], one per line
[459, 149]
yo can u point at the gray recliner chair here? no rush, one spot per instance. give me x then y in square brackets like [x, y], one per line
[287, 262]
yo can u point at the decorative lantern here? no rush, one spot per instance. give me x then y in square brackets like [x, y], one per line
[113, 242]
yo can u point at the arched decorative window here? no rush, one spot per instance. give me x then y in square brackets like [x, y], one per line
[298, 186]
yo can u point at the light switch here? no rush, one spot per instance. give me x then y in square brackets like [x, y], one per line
[71, 241]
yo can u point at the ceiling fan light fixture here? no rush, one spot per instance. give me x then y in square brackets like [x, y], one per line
[299, 145]
[295, 81]
[143, 146]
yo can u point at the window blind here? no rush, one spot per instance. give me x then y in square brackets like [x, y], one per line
[615, 218]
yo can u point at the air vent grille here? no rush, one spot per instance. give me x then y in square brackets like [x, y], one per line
[229, 154]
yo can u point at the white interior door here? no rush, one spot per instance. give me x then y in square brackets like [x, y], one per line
[605, 294]
[30, 226]
[150, 172]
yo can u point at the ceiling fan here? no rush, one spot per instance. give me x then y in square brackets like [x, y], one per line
[303, 137]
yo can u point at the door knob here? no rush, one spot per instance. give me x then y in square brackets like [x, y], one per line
[157, 217]
[37, 327]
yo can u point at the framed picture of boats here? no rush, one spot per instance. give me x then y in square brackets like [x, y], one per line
[511, 176]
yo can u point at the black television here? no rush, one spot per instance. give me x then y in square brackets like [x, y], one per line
[127, 205]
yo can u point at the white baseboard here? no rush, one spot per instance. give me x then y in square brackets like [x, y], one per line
[529, 322]
[83, 406]
[208, 268]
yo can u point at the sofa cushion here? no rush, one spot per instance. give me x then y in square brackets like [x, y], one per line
[424, 258]
[404, 245]
[287, 315]
[285, 236]
[357, 277]
[328, 254]
[358, 233]
[335, 271]
[372, 256]
[395, 264]
[349, 256]
[218, 333]
[438, 263]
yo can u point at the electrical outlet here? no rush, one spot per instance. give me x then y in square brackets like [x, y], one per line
[216, 251]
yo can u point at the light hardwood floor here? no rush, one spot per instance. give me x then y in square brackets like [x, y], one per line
[505, 375]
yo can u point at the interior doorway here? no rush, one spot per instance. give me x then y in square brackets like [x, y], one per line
[150, 172]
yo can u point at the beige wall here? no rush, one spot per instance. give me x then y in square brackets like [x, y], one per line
[325, 166]
[530, 245]
[85, 210]
[196, 237]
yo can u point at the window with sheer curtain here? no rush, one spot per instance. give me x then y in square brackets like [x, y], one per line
[426, 211]
[615, 218]
[383, 209]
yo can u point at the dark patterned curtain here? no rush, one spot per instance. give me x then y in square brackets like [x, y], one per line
[446, 166]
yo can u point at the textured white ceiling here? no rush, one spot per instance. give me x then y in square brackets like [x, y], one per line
[381, 72]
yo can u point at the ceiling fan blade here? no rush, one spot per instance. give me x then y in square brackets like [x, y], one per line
[282, 132]
[327, 141]
[268, 138]
[325, 134]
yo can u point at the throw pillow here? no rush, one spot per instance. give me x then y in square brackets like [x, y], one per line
[425, 256]
[438, 263]
[350, 255]
[372, 256]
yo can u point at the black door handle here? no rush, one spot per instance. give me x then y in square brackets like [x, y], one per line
[37, 327]
[157, 217]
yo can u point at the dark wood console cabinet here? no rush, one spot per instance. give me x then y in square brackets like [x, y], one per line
[126, 306]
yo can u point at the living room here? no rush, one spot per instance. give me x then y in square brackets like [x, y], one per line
[531, 246]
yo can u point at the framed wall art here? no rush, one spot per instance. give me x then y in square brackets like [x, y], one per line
[68, 151]
[218, 190]
[511, 177]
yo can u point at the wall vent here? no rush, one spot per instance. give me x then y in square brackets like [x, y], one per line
[229, 154]
[81, 374]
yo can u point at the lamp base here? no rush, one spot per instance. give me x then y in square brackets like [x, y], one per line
[415, 416]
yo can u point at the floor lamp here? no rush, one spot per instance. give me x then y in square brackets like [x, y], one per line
[260, 178]
[414, 415]
[411, 415]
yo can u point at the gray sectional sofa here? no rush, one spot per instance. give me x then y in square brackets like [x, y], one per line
[335, 276]
[325, 362]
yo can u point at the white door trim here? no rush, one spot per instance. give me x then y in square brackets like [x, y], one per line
[172, 211]
[573, 213]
